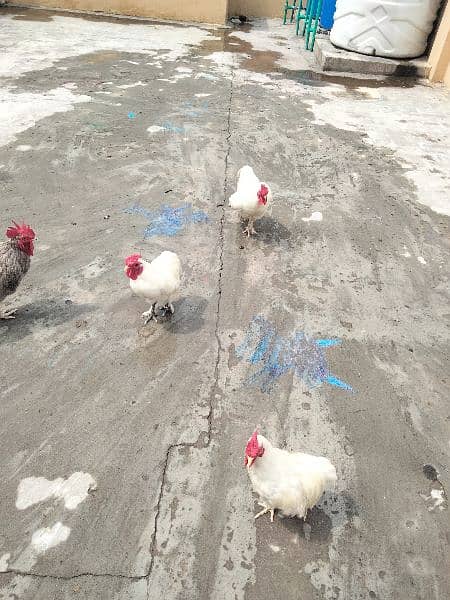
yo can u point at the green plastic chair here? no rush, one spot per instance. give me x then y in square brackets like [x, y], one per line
[301, 15]
[295, 8]
[292, 7]
[312, 17]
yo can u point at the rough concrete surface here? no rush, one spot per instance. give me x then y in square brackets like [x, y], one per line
[122, 445]
[331, 58]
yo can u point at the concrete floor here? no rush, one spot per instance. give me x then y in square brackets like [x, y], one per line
[106, 127]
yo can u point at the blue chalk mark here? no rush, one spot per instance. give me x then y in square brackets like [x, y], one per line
[261, 349]
[278, 355]
[191, 111]
[328, 343]
[338, 383]
[168, 220]
[131, 115]
[169, 127]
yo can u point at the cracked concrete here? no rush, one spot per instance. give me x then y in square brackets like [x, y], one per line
[159, 415]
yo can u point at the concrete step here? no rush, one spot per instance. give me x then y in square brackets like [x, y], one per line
[331, 58]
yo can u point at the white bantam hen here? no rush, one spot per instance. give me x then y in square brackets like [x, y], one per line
[291, 482]
[157, 281]
[252, 198]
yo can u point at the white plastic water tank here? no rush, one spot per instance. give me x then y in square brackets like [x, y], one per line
[395, 29]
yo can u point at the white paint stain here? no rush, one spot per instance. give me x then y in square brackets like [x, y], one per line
[223, 61]
[70, 85]
[131, 85]
[274, 548]
[23, 148]
[4, 562]
[406, 254]
[207, 76]
[316, 216]
[30, 45]
[438, 498]
[155, 129]
[19, 112]
[392, 120]
[421, 260]
[178, 76]
[202, 95]
[73, 490]
[49, 537]
[132, 62]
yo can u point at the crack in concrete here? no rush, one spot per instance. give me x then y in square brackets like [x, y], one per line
[70, 577]
[207, 439]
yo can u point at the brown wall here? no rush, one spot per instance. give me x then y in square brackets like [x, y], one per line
[206, 11]
[255, 8]
[439, 58]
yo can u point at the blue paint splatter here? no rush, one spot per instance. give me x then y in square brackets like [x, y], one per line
[279, 355]
[131, 115]
[172, 128]
[195, 111]
[337, 382]
[327, 343]
[168, 220]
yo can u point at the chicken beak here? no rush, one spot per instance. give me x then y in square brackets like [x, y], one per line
[250, 461]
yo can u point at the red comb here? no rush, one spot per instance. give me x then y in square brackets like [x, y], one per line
[131, 260]
[252, 447]
[20, 231]
[262, 194]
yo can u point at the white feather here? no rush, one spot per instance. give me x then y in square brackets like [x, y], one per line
[160, 280]
[245, 198]
[292, 482]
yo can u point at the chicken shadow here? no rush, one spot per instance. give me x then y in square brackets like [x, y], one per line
[42, 313]
[188, 316]
[316, 527]
[332, 510]
[270, 231]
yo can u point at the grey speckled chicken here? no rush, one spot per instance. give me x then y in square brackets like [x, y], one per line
[15, 260]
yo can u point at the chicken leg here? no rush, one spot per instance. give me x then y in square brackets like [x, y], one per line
[150, 314]
[249, 230]
[265, 510]
[8, 314]
[168, 308]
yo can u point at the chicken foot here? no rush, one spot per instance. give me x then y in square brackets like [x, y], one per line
[249, 230]
[150, 314]
[168, 308]
[8, 314]
[265, 510]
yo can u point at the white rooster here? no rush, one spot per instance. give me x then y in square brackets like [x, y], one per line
[157, 281]
[252, 197]
[292, 482]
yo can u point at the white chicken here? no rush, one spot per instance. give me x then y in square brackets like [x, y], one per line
[252, 198]
[292, 482]
[157, 281]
